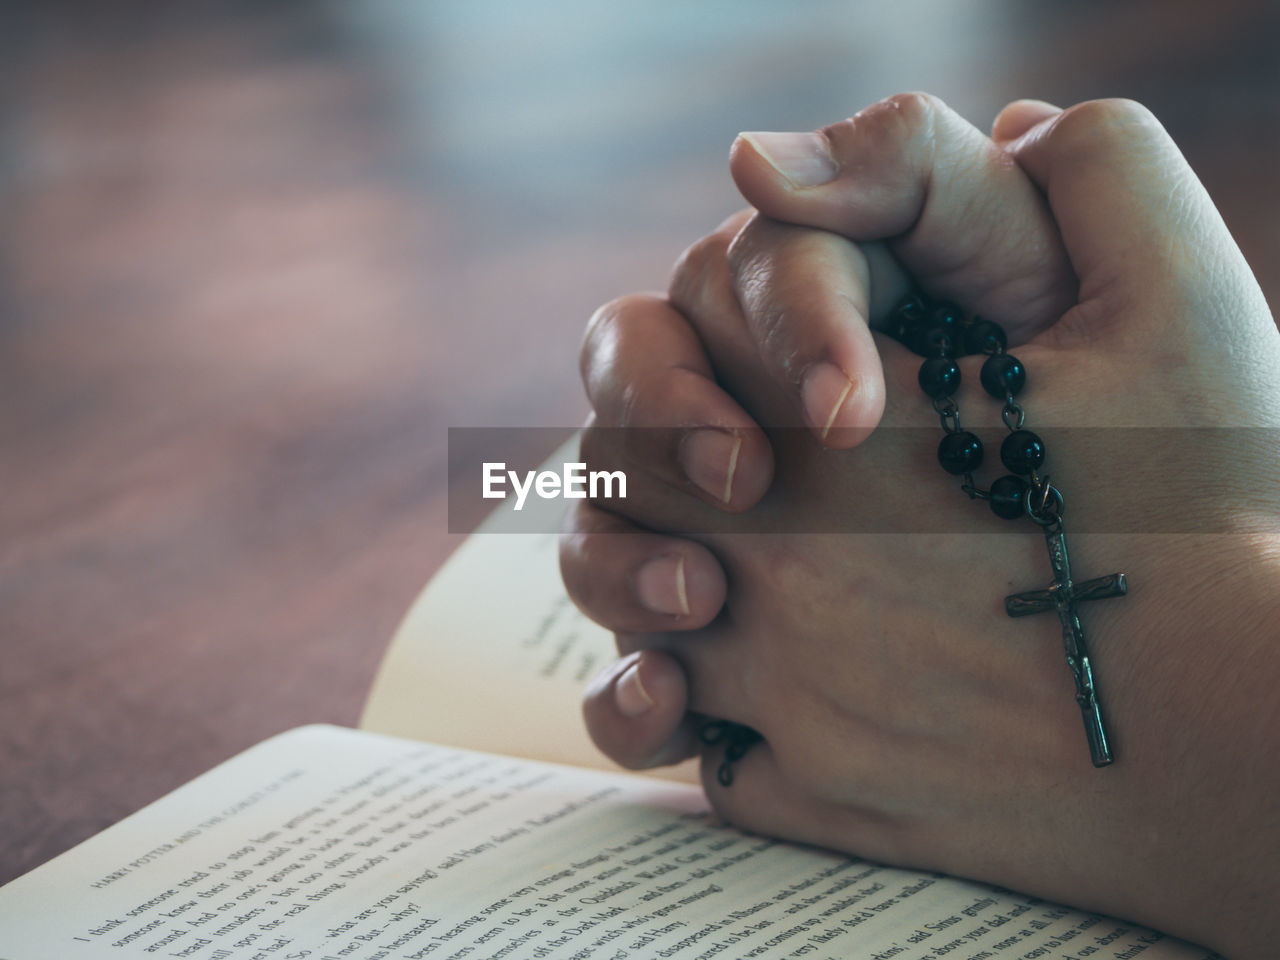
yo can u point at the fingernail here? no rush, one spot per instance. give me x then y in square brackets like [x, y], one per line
[803, 158]
[825, 392]
[710, 459]
[661, 587]
[629, 693]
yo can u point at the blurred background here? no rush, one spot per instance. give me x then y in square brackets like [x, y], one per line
[257, 257]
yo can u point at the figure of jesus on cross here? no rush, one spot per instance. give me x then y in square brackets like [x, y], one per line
[1062, 597]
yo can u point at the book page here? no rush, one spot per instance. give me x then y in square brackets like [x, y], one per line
[325, 843]
[493, 655]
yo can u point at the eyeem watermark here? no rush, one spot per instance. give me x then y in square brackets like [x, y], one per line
[574, 482]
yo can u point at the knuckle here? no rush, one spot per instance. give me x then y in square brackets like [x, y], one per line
[1115, 111]
[695, 270]
[744, 247]
[699, 255]
[602, 342]
[732, 224]
[894, 139]
[759, 238]
[916, 108]
[756, 282]
[753, 255]
[773, 322]
[1104, 126]
[605, 322]
[598, 333]
[604, 317]
[778, 301]
[898, 117]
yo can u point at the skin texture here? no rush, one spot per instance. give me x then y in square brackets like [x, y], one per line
[905, 718]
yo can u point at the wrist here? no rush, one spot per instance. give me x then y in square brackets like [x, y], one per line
[1193, 671]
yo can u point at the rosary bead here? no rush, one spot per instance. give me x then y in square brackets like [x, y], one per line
[943, 335]
[1007, 497]
[984, 336]
[960, 452]
[1003, 375]
[908, 315]
[1022, 451]
[930, 339]
[947, 315]
[911, 309]
[939, 377]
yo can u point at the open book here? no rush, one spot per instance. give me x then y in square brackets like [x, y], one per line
[326, 843]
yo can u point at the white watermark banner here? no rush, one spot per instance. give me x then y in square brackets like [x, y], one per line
[572, 481]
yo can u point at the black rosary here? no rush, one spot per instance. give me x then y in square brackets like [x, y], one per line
[940, 333]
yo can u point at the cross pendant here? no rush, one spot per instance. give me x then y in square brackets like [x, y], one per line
[1062, 597]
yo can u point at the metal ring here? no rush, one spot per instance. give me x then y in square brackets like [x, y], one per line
[948, 413]
[974, 492]
[1044, 516]
[1011, 409]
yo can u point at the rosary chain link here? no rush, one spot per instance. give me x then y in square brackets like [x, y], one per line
[1012, 413]
[949, 413]
[974, 492]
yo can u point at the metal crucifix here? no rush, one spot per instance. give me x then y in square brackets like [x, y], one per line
[1062, 597]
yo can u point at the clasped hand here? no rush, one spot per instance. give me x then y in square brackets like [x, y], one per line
[905, 718]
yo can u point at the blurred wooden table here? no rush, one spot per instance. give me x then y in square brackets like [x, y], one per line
[256, 258]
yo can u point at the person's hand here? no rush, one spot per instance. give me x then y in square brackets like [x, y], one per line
[904, 717]
[955, 211]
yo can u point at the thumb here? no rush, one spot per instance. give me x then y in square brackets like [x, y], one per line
[957, 213]
[1140, 229]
